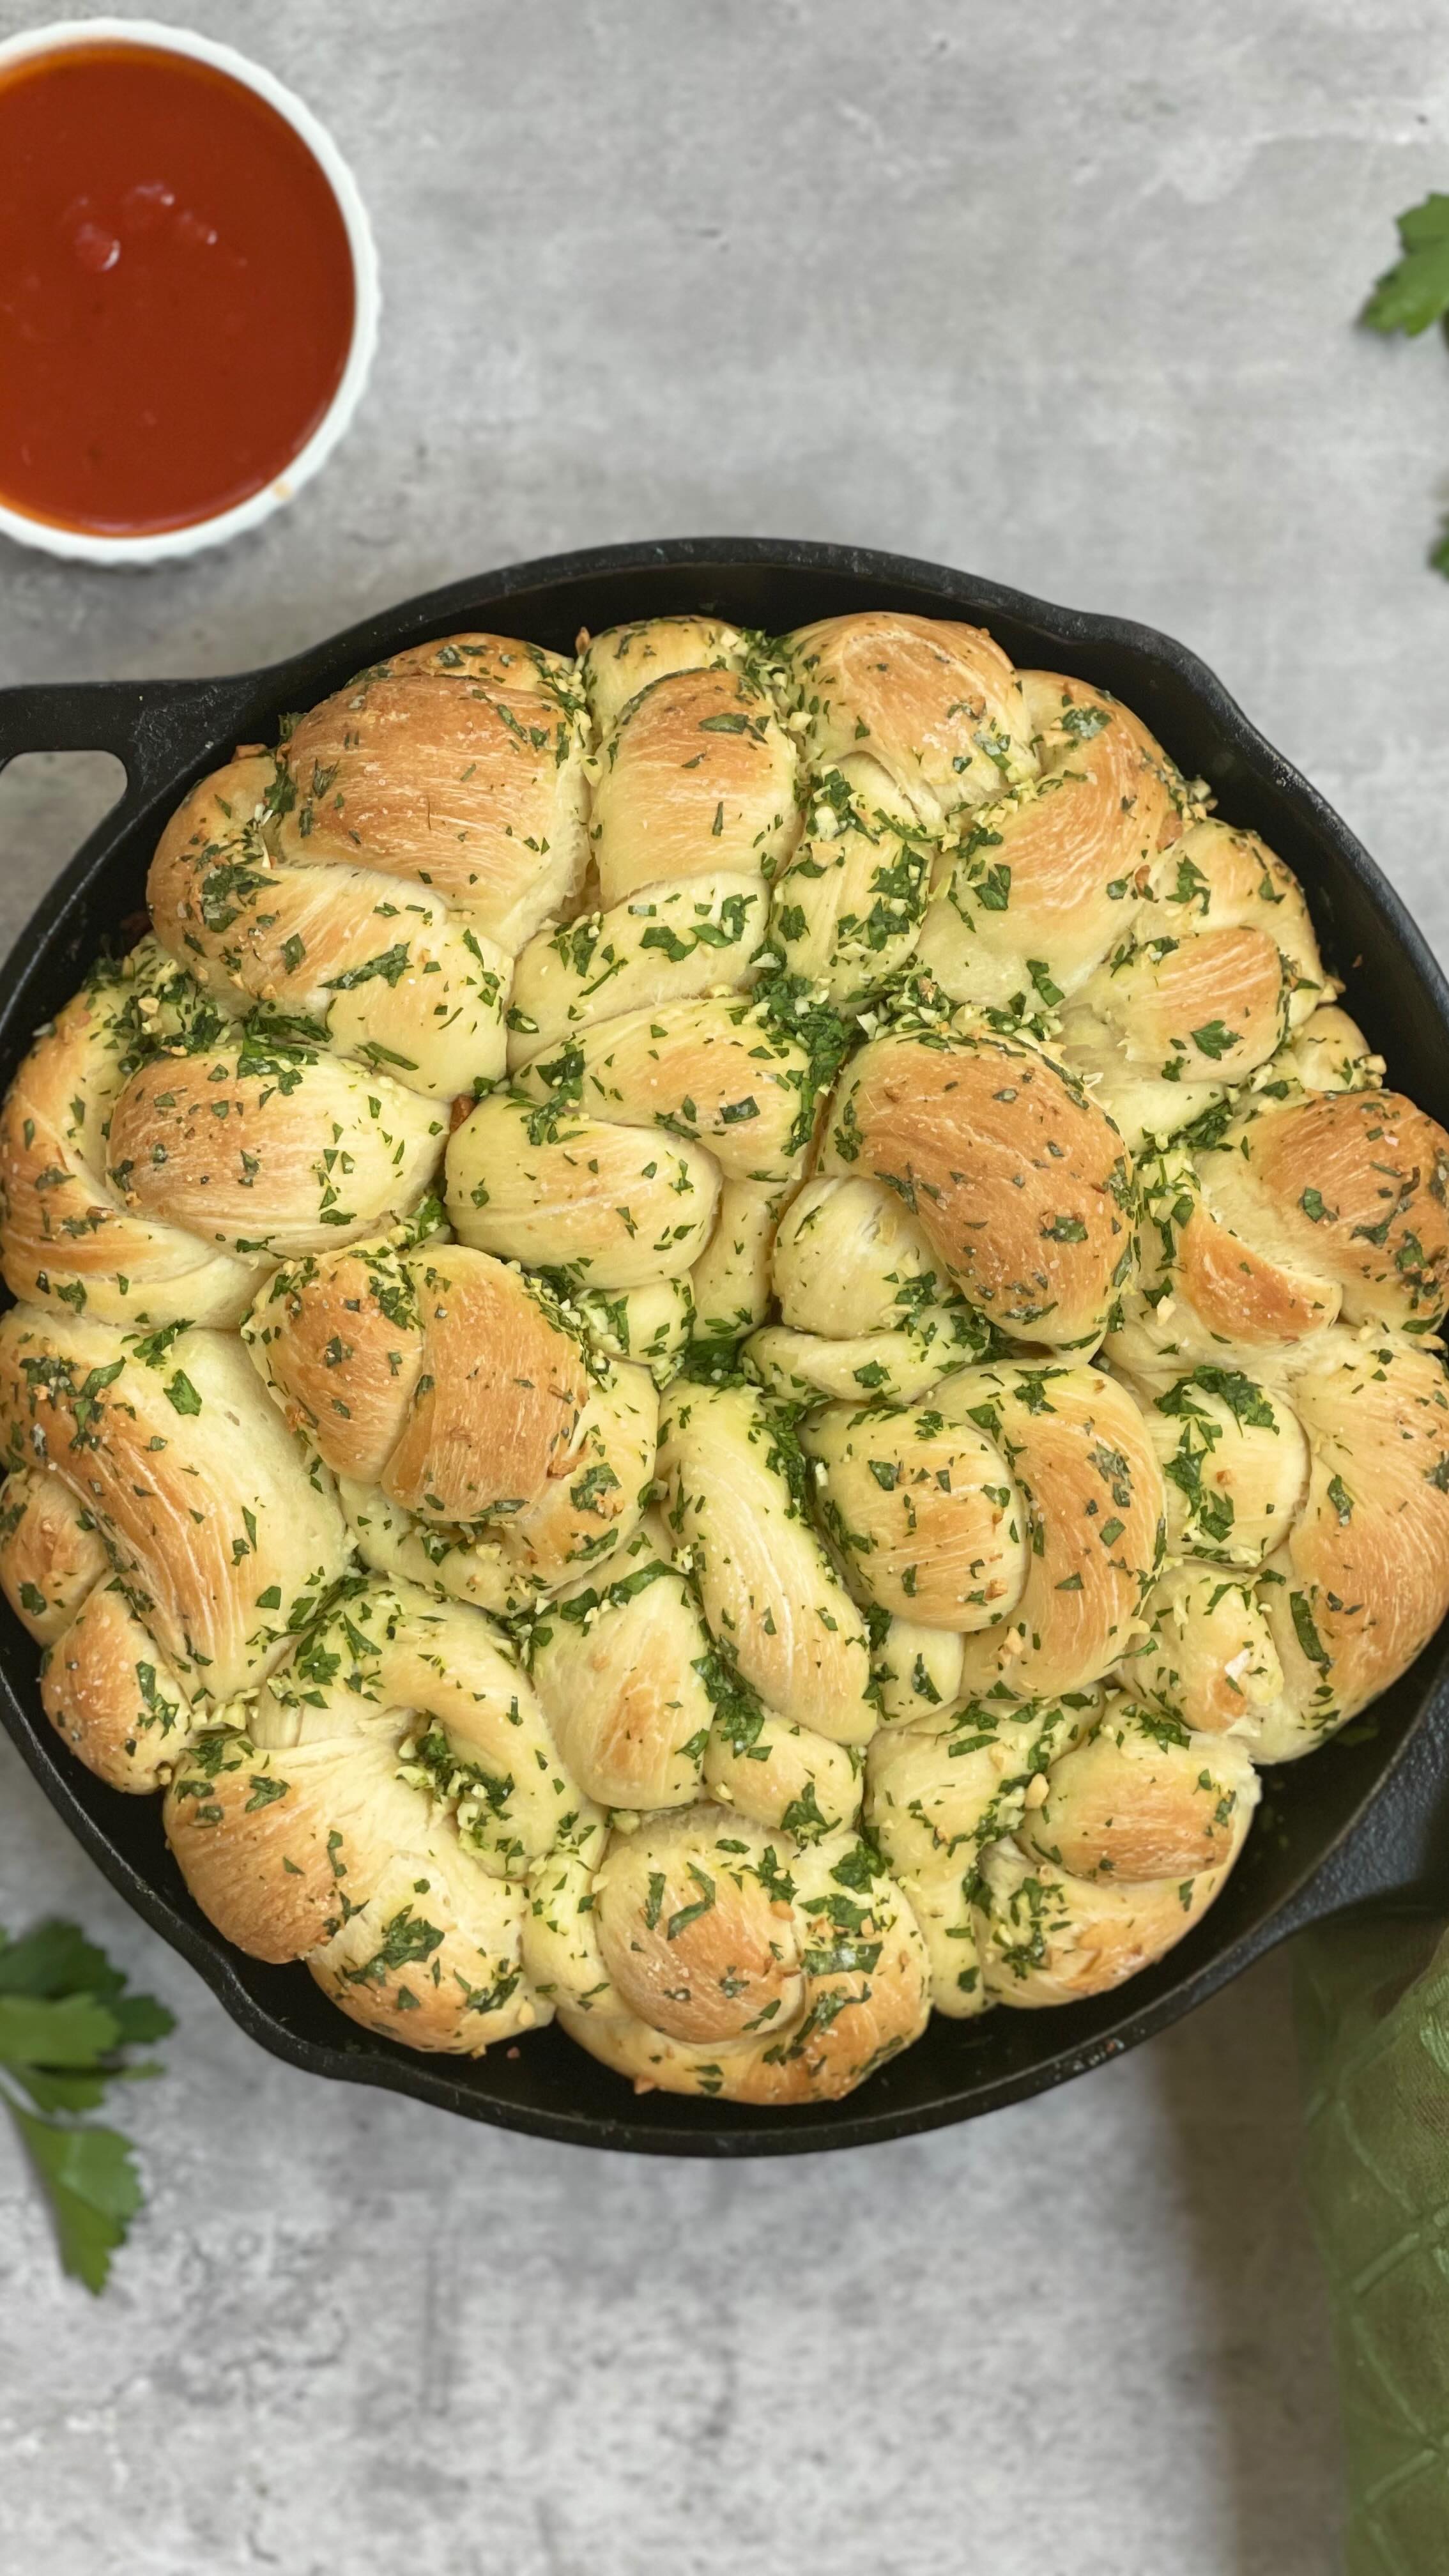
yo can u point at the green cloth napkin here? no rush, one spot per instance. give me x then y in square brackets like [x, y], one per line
[1372, 2006]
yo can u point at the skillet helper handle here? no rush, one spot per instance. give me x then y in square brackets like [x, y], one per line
[1396, 1860]
[155, 728]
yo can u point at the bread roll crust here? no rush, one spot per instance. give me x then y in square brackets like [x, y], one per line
[414, 985]
[696, 773]
[1055, 872]
[457, 767]
[217, 1532]
[1021, 1187]
[935, 704]
[753, 1966]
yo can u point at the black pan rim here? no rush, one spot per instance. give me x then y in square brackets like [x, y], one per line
[686, 2127]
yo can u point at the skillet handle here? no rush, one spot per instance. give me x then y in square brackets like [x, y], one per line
[156, 728]
[1397, 1858]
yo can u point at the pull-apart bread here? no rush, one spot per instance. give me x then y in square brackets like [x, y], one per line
[710, 1340]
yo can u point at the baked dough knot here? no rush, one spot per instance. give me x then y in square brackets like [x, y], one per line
[162, 1534]
[382, 1810]
[157, 1157]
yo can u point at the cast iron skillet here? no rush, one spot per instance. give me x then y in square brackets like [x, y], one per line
[1362, 1819]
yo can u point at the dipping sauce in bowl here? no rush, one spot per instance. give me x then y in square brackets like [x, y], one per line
[178, 292]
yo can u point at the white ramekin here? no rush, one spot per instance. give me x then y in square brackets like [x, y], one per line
[83, 544]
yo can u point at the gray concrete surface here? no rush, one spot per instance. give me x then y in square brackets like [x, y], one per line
[1064, 295]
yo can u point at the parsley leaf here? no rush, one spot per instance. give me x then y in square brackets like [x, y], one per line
[1215, 1039]
[93, 2189]
[688, 1914]
[1307, 1630]
[65, 2024]
[1415, 291]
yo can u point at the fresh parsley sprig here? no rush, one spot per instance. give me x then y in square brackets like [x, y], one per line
[66, 2025]
[1415, 292]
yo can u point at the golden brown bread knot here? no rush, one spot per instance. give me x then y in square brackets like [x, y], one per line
[734, 1491]
[477, 1442]
[1290, 1214]
[156, 1160]
[911, 723]
[377, 877]
[707, 1956]
[381, 1816]
[694, 806]
[1051, 873]
[1171, 955]
[455, 768]
[1325, 1493]
[1021, 1187]
[160, 1531]
[924, 1369]
[933, 707]
[650, 1709]
[1020, 1509]
[1050, 1850]
[1218, 966]
[656, 1147]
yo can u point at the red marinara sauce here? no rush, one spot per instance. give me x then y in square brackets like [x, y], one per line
[176, 290]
